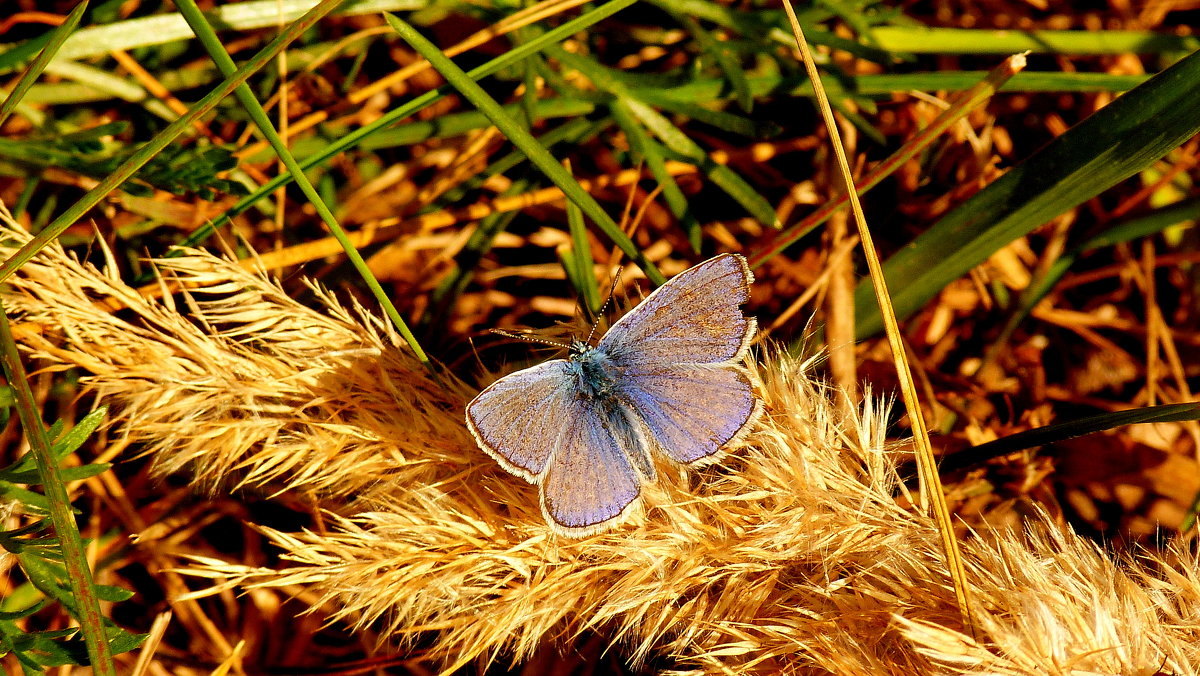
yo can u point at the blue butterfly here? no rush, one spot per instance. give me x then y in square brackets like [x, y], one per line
[666, 376]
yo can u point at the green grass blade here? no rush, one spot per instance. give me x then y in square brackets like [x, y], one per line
[734, 124]
[479, 242]
[578, 262]
[726, 60]
[57, 37]
[652, 154]
[458, 124]
[886, 85]
[921, 40]
[1118, 141]
[216, 51]
[115, 86]
[671, 136]
[722, 176]
[574, 131]
[538, 155]
[165, 137]
[160, 29]
[1069, 430]
[79, 573]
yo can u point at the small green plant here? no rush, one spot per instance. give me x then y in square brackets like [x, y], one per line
[95, 152]
[39, 555]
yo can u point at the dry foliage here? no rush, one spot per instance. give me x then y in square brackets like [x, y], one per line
[793, 555]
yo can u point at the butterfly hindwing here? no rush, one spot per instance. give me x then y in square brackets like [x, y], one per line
[590, 479]
[692, 411]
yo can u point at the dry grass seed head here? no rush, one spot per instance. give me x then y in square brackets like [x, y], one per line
[791, 555]
[250, 387]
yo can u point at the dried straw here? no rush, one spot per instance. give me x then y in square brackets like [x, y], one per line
[793, 555]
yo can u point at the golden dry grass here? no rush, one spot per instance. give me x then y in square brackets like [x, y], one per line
[794, 555]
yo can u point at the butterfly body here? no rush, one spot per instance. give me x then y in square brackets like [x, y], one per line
[595, 374]
[666, 377]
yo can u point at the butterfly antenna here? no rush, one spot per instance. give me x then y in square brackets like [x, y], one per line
[530, 339]
[612, 291]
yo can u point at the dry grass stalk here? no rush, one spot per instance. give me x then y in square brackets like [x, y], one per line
[791, 556]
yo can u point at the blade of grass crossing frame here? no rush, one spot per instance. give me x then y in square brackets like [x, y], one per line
[926, 40]
[1116, 142]
[216, 51]
[57, 37]
[79, 573]
[729, 122]
[931, 485]
[1068, 430]
[721, 175]
[164, 137]
[573, 131]
[579, 264]
[726, 60]
[423, 101]
[459, 124]
[479, 242]
[538, 156]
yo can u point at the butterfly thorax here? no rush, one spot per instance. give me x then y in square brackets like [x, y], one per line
[594, 371]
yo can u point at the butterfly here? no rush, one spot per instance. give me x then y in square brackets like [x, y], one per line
[666, 377]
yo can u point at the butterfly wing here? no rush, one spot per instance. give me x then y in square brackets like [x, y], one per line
[518, 418]
[677, 354]
[694, 318]
[590, 480]
[692, 411]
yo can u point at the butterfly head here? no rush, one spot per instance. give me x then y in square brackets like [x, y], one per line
[578, 348]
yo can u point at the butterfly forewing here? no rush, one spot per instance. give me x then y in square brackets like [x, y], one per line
[518, 418]
[694, 318]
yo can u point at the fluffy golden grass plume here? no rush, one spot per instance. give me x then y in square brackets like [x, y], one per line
[793, 555]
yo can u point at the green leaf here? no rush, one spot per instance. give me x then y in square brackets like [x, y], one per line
[112, 593]
[23, 613]
[123, 641]
[71, 441]
[30, 499]
[1116, 142]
